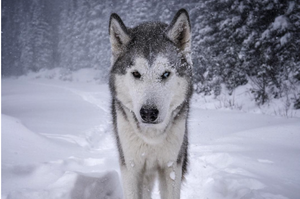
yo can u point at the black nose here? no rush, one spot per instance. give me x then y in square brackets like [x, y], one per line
[149, 114]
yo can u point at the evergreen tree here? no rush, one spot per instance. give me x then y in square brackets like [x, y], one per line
[13, 14]
[41, 40]
[219, 34]
[65, 32]
[98, 40]
[270, 53]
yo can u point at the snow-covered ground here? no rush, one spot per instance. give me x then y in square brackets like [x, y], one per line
[57, 142]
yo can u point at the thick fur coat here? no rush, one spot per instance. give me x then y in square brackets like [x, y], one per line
[151, 87]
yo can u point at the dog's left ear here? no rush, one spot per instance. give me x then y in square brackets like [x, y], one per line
[179, 31]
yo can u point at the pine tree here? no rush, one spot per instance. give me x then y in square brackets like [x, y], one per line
[41, 39]
[98, 38]
[219, 34]
[13, 14]
[80, 39]
[269, 51]
[65, 29]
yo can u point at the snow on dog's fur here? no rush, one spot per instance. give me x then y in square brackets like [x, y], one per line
[151, 86]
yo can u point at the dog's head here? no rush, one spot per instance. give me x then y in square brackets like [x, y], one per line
[151, 68]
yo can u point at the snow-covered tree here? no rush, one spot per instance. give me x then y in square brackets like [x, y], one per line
[219, 33]
[239, 40]
[269, 54]
[41, 40]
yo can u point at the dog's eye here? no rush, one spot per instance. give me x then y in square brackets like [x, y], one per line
[165, 75]
[136, 75]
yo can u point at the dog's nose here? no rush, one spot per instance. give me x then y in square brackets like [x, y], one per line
[149, 114]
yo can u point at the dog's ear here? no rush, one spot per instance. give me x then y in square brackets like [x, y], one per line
[179, 30]
[118, 35]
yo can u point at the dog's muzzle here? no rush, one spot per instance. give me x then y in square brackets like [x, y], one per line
[149, 114]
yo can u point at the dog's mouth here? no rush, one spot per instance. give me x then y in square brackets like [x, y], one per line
[150, 123]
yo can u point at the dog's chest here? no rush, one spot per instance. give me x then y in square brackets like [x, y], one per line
[138, 153]
[148, 156]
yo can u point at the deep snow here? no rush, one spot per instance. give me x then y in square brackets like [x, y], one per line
[57, 142]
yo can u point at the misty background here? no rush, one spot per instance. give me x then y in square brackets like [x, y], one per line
[235, 42]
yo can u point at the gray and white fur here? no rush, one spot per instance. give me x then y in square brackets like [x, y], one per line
[151, 87]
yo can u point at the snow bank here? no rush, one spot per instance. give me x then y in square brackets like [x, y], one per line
[55, 146]
[235, 155]
[76, 186]
[243, 100]
[81, 75]
[28, 173]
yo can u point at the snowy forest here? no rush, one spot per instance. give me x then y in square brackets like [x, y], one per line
[234, 41]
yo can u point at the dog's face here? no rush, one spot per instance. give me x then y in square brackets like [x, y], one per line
[153, 91]
[151, 70]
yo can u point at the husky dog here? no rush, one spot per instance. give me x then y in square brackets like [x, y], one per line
[151, 87]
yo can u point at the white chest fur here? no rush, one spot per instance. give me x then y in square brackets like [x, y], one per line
[140, 154]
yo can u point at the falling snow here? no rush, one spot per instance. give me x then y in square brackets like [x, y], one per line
[172, 175]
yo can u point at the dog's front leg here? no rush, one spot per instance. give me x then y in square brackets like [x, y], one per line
[170, 182]
[131, 183]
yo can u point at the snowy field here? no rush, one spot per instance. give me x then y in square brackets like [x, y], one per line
[57, 143]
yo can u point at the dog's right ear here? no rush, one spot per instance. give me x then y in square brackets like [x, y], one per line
[118, 35]
[179, 31]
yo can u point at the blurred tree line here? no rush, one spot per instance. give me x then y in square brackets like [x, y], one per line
[234, 41]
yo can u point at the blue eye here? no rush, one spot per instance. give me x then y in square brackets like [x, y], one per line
[165, 75]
